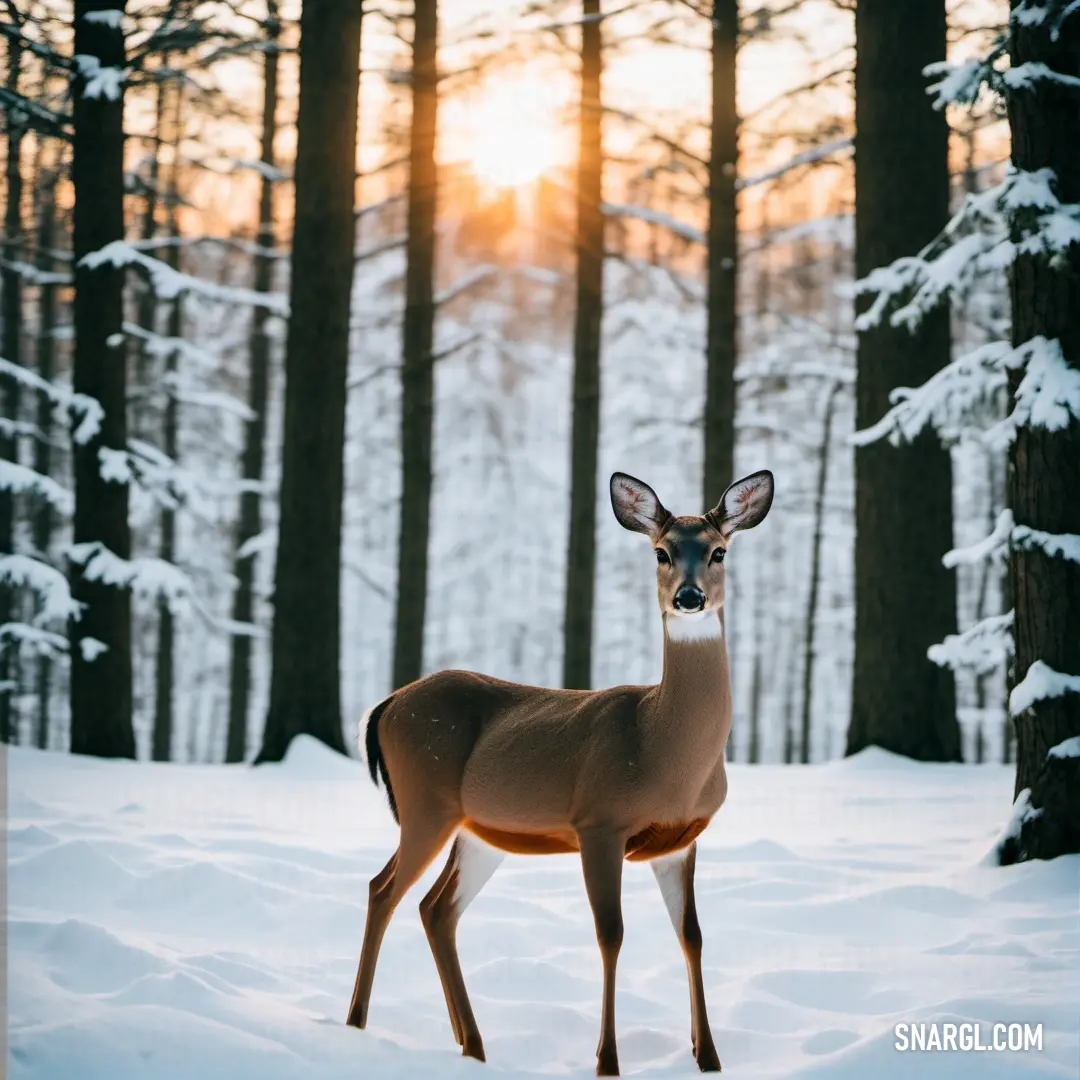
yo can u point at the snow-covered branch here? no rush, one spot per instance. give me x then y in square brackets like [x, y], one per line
[961, 84]
[996, 545]
[32, 640]
[655, 217]
[22, 480]
[168, 283]
[113, 18]
[959, 399]
[965, 395]
[51, 586]
[984, 647]
[977, 240]
[169, 484]
[1048, 395]
[807, 157]
[1041, 682]
[260, 542]
[1008, 535]
[107, 82]
[145, 576]
[34, 275]
[85, 410]
[1065, 749]
[180, 390]
[1056, 545]
[161, 345]
[1029, 75]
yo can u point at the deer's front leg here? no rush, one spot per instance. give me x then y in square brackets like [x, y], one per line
[601, 861]
[675, 876]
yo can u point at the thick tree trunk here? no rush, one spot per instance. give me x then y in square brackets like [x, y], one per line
[581, 549]
[417, 365]
[100, 681]
[1044, 466]
[305, 690]
[815, 574]
[11, 316]
[164, 669]
[723, 256]
[258, 399]
[46, 362]
[905, 600]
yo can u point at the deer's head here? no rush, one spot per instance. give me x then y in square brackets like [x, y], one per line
[690, 550]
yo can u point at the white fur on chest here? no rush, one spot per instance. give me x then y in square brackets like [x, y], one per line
[699, 626]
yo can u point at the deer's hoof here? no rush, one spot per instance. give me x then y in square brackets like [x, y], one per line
[607, 1062]
[473, 1048]
[707, 1058]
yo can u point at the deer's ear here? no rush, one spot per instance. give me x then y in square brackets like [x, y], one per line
[636, 506]
[744, 504]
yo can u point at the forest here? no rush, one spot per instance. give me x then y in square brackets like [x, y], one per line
[324, 324]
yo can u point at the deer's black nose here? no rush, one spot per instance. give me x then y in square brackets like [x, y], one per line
[689, 598]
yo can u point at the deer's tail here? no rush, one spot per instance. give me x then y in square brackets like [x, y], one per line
[375, 760]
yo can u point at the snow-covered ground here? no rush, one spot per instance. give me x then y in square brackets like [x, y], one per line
[204, 922]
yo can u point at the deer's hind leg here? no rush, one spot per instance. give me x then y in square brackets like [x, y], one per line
[441, 882]
[468, 869]
[423, 835]
[675, 876]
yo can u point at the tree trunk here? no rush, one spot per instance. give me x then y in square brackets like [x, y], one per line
[1044, 466]
[100, 681]
[305, 690]
[581, 549]
[815, 573]
[166, 659]
[417, 364]
[753, 752]
[258, 399]
[46, 361]
[723, 256]
[165, 666]
[905, 600]
[148, 303]
[11, 314]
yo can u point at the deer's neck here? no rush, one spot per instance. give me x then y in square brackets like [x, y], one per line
[695, 692]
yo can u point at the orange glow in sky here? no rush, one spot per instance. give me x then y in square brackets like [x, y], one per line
[511, 134]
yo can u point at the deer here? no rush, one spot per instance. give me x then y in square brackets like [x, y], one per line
[630, 773]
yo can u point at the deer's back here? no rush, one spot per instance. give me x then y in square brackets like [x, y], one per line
[515, 753]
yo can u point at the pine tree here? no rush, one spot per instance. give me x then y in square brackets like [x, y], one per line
[46, 368]
[101, 684]
[723, 257]
[10, 344]
[1044, 463]
[164, 668]
[588, 314]
[417, 366]
[305, 690]
[250, 523]
[905, 600]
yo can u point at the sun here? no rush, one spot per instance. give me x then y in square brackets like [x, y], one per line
[513, 132]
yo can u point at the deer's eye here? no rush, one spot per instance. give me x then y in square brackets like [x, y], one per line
[662, 557]
[718, 555]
